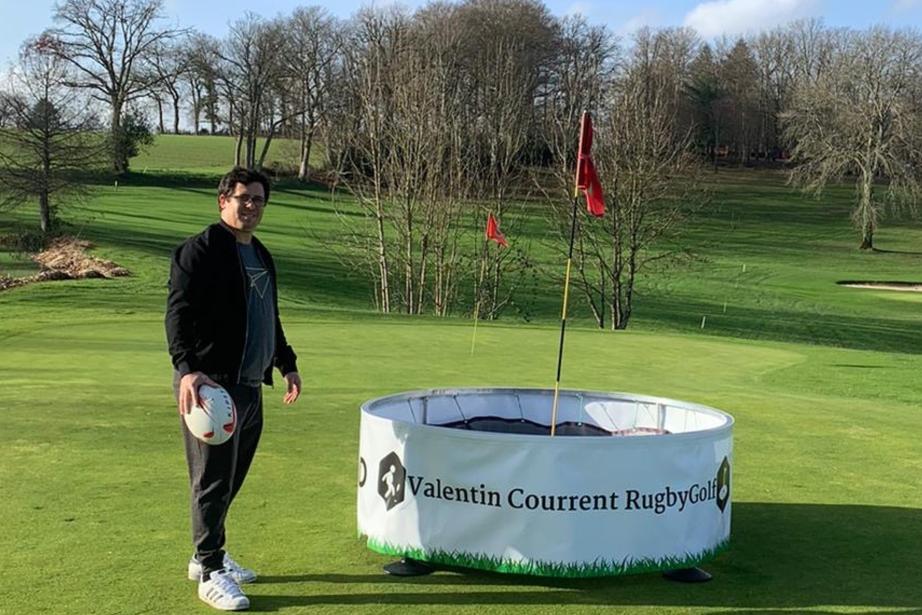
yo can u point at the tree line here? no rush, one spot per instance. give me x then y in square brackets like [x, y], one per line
[432, 118]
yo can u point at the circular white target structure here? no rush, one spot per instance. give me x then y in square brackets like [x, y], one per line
[472, 478]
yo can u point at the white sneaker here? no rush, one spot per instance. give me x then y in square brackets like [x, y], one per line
[237, 572]
[222, 592]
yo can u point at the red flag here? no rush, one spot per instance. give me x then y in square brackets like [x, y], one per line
[586, 178]
[493, 231]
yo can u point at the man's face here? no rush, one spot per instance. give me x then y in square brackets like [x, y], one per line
[243, 210]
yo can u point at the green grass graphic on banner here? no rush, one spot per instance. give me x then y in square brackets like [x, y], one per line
[599, 568]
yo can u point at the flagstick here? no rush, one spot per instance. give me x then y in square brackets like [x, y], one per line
[563, 317]
[483, 266]
[474, 337]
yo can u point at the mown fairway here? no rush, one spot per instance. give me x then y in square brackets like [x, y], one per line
[822, 380]
[207, 154]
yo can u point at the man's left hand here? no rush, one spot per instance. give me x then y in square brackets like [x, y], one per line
[293, 382]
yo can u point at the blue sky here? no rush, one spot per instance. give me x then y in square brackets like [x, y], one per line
[711, 18]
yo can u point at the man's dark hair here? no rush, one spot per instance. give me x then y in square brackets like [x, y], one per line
[242, 175]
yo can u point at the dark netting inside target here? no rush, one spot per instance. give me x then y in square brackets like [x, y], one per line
[523, 426]
[528, 412]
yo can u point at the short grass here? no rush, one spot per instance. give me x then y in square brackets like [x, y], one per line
[210, 154]
[16, 265]
[823, 383]
[203, 154]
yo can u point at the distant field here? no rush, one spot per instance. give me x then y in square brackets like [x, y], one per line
[206, 154]
[822, 380]
[210, 154]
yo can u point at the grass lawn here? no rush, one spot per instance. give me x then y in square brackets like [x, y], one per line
[206, 154]
[822, 380]
[16, 265]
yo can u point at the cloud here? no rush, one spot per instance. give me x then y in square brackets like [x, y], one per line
[649, 17]
[733, 17]
[579, 8]
[901, 6]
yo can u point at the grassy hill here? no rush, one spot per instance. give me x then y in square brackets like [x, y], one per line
[765, 260]
[822, 381]
[209, 154]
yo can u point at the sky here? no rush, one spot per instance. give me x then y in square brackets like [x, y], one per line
[711, 18]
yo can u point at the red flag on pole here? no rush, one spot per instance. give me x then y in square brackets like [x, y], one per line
[493, 231]
[586, 178]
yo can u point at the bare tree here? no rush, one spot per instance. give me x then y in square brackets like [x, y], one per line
[585, 65]
[7, 110]
[157, 94]
[202, 75]
[672, 52]
[51, 145]
[411, 156]
[859, 118]
[107, 43]
[169, 63]
[649, 173]
[774, 55]
[251, 66]
[813, 47]
[706, 95]
[739, 78]
[365, 106]
[450, 177]
[506, 58]
[314, 47]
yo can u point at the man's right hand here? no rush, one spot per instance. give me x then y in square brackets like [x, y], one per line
[188, 390]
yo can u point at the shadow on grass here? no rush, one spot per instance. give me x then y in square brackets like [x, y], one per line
[782, 558]
[190, 179]
[178, 179]
[896, 252]
[785, 324]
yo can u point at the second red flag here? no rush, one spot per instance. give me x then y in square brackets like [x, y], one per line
[493, 231]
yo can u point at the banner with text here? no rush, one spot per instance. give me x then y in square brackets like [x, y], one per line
[563, 506]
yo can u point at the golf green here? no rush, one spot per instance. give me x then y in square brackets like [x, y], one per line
[822, 381]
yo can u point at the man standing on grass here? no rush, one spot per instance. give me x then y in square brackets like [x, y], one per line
[222, 324]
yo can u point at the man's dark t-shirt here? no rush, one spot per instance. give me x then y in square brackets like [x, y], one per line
[260, 336]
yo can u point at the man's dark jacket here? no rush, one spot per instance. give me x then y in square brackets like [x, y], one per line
[206, 315]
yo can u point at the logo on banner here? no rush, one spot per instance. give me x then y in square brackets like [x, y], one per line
[363, 472]
[391, 479]
[723, 484]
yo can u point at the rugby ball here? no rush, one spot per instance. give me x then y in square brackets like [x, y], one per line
[215, 421]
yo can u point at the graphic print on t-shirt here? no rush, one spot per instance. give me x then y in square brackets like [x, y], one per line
[259, 280]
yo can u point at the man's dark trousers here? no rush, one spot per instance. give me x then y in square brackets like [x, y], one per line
[216, 473]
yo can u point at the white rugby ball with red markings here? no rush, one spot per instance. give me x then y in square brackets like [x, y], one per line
[216, 420]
